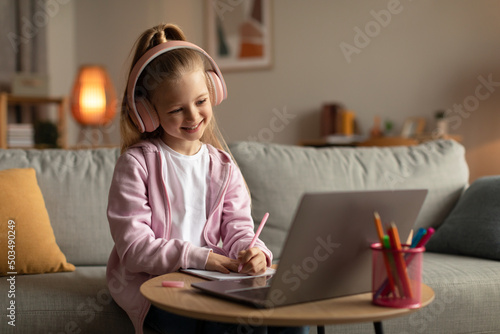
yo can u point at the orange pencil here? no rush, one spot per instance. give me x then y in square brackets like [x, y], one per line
[399, 259]
[380, 233]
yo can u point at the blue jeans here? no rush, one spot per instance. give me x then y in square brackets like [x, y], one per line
[169, 323]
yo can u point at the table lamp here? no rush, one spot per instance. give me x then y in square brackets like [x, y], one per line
[93, 102]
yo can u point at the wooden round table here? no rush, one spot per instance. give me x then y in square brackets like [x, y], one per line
[190, 302]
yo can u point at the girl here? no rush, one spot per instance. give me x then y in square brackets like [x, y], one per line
[175, 193]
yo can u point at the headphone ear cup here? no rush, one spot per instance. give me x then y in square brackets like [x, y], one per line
[148, 115]
[218, 90]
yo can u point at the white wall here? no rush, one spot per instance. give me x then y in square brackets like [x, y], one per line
[61, 49]
[429, 55]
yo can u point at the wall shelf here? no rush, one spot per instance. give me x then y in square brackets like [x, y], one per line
[7, 99]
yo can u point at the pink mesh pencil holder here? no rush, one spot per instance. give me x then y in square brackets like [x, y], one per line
[397, 276]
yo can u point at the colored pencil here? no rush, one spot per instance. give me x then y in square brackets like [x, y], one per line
[380, 233]
[399, 260]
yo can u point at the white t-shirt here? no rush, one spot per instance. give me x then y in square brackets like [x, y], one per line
[188, 175]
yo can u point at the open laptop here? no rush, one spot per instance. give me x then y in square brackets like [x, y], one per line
[327, 251]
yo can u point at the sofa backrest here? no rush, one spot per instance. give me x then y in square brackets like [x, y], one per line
[75, 186]
[278, 175]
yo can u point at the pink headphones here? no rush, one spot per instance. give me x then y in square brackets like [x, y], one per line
[142, 112]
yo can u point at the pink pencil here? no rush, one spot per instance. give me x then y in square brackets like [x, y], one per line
[256, 236]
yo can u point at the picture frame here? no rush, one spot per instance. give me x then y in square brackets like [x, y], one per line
[412, 127]
[239, 34]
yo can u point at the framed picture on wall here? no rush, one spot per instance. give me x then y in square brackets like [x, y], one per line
[239, 33]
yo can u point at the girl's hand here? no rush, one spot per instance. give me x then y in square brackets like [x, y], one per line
[221, 263]
[253, 261]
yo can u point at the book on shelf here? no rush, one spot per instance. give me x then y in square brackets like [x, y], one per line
[337, 121]
[20, 135]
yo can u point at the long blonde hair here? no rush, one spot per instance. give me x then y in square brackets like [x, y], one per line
[169, 66]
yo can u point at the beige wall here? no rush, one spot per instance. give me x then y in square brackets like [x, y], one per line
[428, 55]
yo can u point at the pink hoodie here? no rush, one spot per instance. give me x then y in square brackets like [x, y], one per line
[140, 220]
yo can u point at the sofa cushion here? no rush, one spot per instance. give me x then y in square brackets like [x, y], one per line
[75, 186]
[466, 290]
[278, 175]
[28, 240]
[473, 227]
[76, 302]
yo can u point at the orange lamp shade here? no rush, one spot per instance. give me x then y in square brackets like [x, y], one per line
[93, 99]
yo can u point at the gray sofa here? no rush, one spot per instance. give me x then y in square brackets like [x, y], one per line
[75, 186]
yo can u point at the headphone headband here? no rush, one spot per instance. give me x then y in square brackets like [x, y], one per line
[149, 56]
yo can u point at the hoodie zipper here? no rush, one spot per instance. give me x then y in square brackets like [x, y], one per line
[167, 202]
[221, 193]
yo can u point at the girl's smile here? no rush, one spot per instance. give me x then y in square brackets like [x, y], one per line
[192, 129]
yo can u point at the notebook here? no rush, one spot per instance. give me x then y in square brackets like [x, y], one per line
[217, 275]
[327, 250]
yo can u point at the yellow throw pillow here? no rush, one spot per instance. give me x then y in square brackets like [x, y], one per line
[27, 244]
